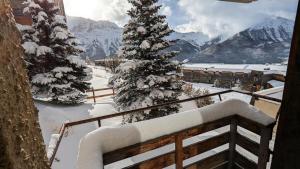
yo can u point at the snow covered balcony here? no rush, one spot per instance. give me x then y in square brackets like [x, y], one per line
[215, 136]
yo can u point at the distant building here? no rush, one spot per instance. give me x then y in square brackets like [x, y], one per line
[21, 18]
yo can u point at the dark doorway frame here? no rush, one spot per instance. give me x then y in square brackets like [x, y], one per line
[287, 143]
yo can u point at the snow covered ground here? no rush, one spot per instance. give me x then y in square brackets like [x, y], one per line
[226, 96]
[267, 68]
[258, 67]
[53, 116]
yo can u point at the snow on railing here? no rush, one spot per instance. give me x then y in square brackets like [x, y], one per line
[104, 140]
[95, 119]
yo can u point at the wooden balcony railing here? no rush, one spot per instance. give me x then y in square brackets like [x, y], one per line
[256, 127]
[229, 158]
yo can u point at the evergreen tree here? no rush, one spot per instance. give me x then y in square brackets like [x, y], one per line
[56, 70]
[148, 76]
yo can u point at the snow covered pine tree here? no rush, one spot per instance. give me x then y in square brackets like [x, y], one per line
[148, 76]
[56, 71]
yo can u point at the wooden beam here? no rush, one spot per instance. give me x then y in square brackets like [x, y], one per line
[232, 143]
[264, 153]
[248, 144]
[179, 156]
[243, 162]
[287, 143]
[211, 161]
[239, 1]
[168, 159]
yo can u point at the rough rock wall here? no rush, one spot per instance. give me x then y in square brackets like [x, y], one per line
[21, 143]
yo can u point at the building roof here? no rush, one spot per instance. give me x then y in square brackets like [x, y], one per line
[276, 83]
[276, 92]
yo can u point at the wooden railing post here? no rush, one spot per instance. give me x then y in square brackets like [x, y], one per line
[99, 123]
[220, 97]
[179, 154]
[252, 101]
[232, 143]
[264, 154]
[94, 95]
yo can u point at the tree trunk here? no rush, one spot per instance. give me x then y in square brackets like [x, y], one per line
[21, 143]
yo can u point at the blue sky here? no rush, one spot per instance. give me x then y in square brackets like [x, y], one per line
[210, 17]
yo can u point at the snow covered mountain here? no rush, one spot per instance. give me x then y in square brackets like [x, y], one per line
[272, 30]
[265, 42]
[103, 38]
[195, 38]
[100, 38]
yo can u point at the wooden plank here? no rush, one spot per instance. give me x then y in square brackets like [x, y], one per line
[236, 166]
[91, 90]
[136, 149]
[188, 151]
[239, 1]
[221, 166]
[232, 142]
[160, 161]
[249, 125]
[264, 153]
[203, 128]
[206, 145]
[210, 162]
[139, 148]
[104, 95]
[248, 144]
[244, 162]
[179, 155]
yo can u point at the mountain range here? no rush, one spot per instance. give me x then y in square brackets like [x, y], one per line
[265, 42]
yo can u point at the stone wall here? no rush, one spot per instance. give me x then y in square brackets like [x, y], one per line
[228, 79]
[21, 142]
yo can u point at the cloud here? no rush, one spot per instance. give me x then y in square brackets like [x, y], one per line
[216, 17]
[212, 17]
[166, 10]
[111, 10]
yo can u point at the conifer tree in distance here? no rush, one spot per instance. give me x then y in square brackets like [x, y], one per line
[148, 76]
[56, 70]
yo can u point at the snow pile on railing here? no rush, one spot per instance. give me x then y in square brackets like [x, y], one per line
[107, 139]
[52, 144]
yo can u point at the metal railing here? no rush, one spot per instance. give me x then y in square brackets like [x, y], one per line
[98, 119]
